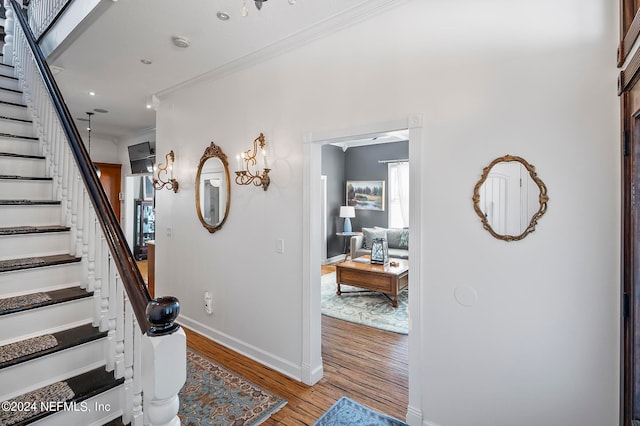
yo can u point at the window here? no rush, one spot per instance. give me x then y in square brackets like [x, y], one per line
[398, 194]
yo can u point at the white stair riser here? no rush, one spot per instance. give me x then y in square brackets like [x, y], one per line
[20, 166]
[100, 410]
[5, 69]
[15, 127]
[29, 280]
[10, 96]
[15, 189]
[39, 372]
[14, 111]
[19, 146]
[29, 215]
[8, 83]
[28, 245]
[33, 320]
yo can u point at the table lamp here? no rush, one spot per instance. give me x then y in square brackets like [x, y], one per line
[347, 212]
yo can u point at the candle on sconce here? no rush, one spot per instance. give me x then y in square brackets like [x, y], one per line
[238, 162]
[250, 172]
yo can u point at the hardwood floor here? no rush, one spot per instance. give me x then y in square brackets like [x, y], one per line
[363, 363]
[144, 269]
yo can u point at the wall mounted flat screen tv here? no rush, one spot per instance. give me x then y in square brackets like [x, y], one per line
[142, 157]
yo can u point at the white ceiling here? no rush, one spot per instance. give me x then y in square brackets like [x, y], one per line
[106, 57]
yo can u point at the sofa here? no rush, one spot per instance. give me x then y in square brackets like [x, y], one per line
[397, 240]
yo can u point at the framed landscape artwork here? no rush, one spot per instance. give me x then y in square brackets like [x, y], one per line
[366, 194]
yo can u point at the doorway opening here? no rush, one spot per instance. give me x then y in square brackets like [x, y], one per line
[311, 309]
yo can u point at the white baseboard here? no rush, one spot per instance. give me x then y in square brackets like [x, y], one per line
[311, 377]
[335, 259]
[272, 361]
[414, 417]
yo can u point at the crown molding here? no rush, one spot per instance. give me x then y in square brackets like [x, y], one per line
[330, 25]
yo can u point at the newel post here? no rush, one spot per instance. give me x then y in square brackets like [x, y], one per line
[164, 363]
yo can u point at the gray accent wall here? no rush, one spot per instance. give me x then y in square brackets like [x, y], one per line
[358, 163]
[333, 168]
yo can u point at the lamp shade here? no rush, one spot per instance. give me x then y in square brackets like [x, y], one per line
[347, 211]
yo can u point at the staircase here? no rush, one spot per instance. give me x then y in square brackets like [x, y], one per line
[53, 366]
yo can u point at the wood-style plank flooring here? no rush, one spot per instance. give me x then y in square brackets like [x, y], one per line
[363, 363]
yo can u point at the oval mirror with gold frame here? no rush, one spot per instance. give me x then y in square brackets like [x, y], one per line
[213, 188]
[510, 198]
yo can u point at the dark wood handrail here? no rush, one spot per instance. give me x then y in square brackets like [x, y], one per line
[123, 258]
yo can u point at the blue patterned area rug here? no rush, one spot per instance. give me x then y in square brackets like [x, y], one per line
[347, 412]
[213, 395]
[370, 308]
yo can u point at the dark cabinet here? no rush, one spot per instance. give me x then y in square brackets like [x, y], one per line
[144, 229]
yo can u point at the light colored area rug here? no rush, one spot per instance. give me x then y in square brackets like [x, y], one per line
[347, 412]
[370, 308]
[214, 395]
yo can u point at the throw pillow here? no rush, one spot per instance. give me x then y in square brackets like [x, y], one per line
[394, 236]
[369, 234]
[404, 239]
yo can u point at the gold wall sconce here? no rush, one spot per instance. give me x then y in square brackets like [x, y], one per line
[247, 159]
[165, 171]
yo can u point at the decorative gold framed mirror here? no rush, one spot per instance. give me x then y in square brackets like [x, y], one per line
[510, 198]
[213, 188]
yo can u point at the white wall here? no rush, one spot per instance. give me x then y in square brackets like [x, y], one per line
[492, 77]
[103, 149]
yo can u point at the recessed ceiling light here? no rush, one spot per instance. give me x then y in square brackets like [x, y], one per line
[148, 106]
[181, 41]
[92, 93]
[223, 16]
[146, 61]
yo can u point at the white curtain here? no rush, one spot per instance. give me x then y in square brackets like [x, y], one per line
[398, 194]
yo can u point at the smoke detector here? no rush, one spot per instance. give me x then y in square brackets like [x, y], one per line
[181, 41]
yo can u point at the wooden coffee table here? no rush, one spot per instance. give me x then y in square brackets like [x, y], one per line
[361, 273]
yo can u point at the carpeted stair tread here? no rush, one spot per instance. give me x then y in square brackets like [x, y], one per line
[73, 390]
[12, 103]
[11, 90]
[58, 391]
[12, 154]
[64, 339]
[11, 135]
[36, 262]
[9, 76]
[28, 202]
[22, 120]
[26, 348]
[16, 177]
[15, 304]
[19, 230]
